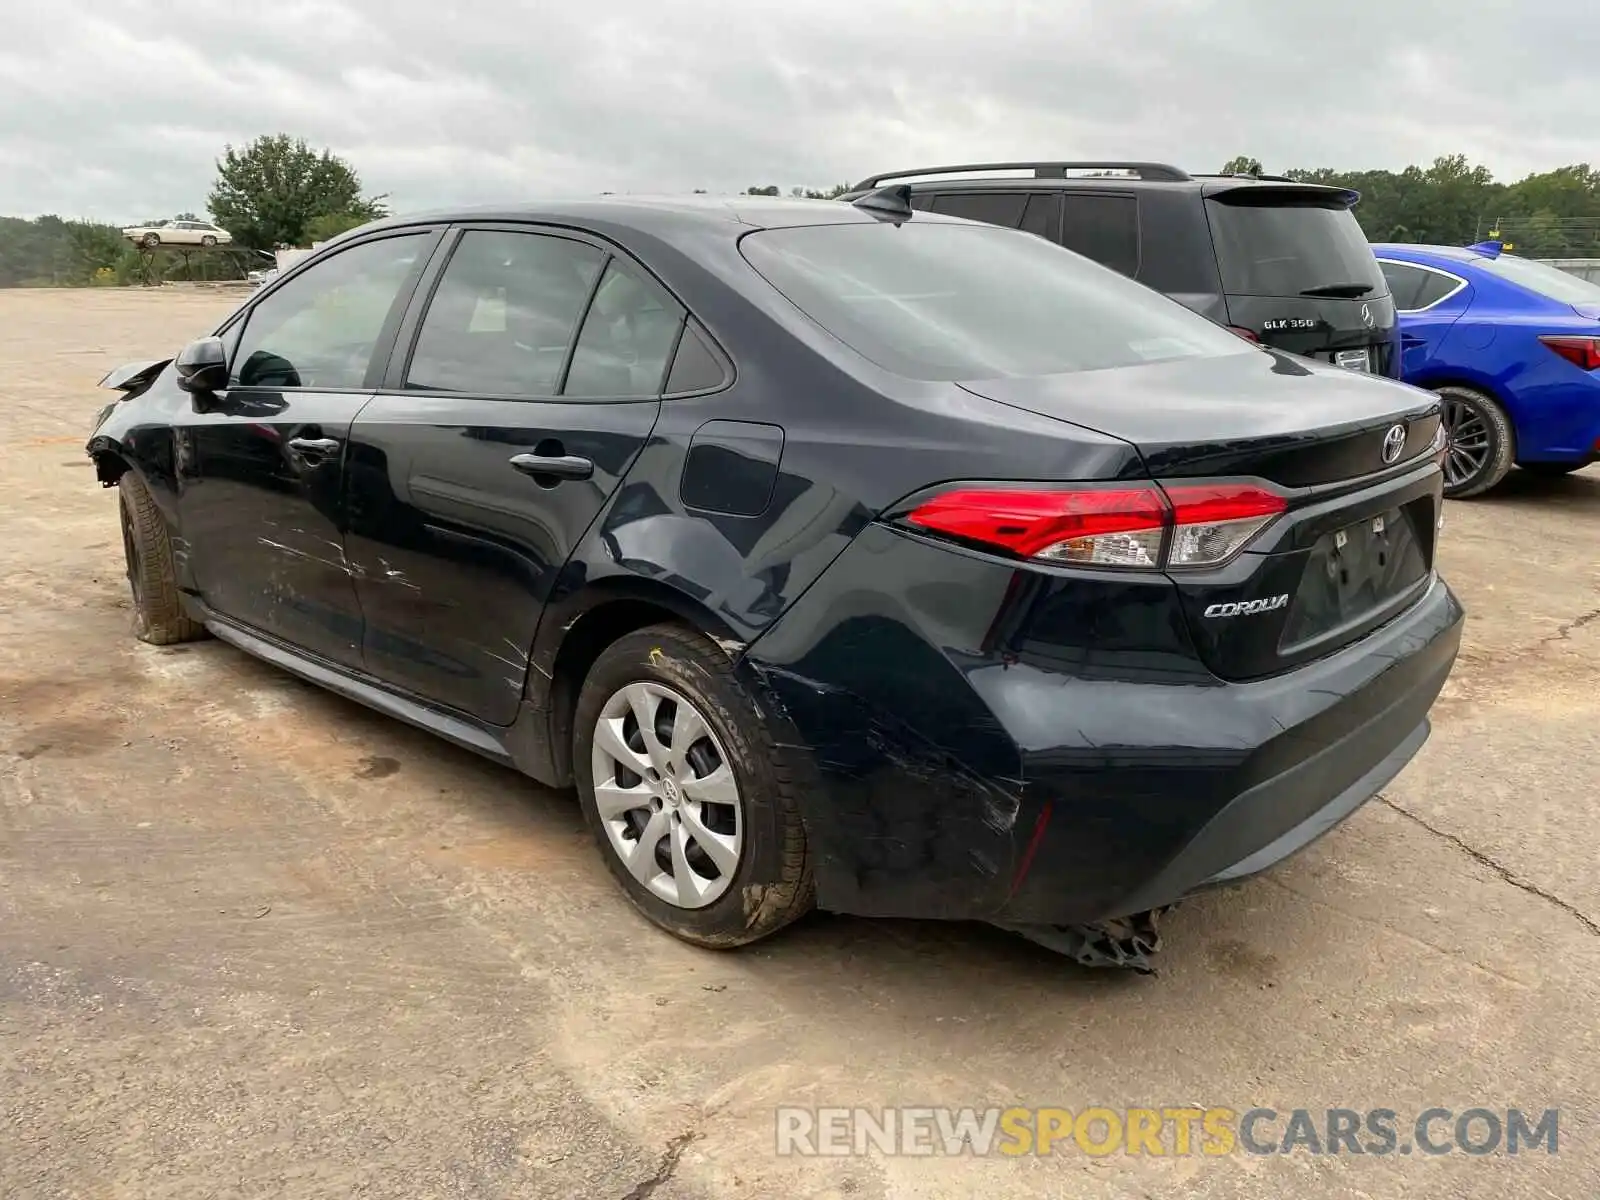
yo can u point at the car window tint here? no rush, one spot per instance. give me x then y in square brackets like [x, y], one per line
[1270, 244]
[627, 338]
[320, 329]
[993, 208]
[922, 202]
[1405, 284]
[502, 318]
[939, 300]
[1039, 216]
[696, 367]
[1104, 228]
[1435, 287]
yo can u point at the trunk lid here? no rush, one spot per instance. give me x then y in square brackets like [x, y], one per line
[1356, 546]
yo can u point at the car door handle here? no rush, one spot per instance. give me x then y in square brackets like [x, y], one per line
[314, 447]
[559, 466]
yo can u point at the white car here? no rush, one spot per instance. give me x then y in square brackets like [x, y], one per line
[177, 233]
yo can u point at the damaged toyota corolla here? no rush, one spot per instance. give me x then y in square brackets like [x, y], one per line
[839, 555]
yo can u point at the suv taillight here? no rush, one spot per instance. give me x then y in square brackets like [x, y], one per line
[1139, 526]
[1579, 351]
[1246, 334]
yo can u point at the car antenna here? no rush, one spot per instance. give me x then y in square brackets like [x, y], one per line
[1490, 249]
[891, 203]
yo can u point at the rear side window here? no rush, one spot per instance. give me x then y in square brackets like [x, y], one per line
[1040, 215]
[943, 301]
[503, 316]
[1415, 288]
[992, 208]
[1269, 245]
[627, 338]
[1104, 228]
[321, 328]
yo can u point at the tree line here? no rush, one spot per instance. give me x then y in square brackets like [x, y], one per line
[279, 191]
[276, 191]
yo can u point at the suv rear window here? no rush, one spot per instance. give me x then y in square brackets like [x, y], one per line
[1269, 245]
[943, 301]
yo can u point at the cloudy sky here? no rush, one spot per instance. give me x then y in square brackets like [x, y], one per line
[117, 109]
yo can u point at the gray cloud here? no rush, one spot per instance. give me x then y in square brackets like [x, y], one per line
[118, 108]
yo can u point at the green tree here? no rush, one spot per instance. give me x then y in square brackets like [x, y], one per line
[270, 192]
[1242, 165]
[330, 225]
[769, 190]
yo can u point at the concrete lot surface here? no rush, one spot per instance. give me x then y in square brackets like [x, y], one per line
[258, 941]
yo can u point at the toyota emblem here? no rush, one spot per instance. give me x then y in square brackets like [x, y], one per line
[1366, 315]
[1394, 442]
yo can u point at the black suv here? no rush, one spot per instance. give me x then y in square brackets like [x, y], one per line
[1279, 262]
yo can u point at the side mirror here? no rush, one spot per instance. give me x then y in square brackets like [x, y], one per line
[202, 365]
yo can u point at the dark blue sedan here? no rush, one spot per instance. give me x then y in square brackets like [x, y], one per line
[837, 554]
[1513, 346]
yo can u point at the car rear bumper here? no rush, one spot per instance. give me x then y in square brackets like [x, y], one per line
[949, 774]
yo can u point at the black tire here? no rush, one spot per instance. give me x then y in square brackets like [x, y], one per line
[1551, 470]
[208, 241]
[158, 616]
[771, 884]
[1490, 428]
[151, 240]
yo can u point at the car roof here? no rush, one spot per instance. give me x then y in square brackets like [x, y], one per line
[665, 217]
[1458, 254]
[1158, 177]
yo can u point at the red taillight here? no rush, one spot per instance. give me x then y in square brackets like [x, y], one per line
[1579, 351]
[1107, 526]
[1212, 522]
[1246, 334]
[1119, 526]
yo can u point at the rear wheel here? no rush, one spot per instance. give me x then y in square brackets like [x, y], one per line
[158, 616]
[1479, 445]
[1551, 468]
[685, 793]
[152, 240]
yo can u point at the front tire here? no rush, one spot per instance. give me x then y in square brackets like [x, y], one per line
[1480, 445]
[208, 241]
[158, 616]
[686, 795]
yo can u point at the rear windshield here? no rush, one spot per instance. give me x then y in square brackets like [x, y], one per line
[944, 301]
[1267, 247]
[1548, 281]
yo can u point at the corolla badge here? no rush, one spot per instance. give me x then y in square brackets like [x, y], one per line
[1366, 316]
[1393, 443]
[1247, 608]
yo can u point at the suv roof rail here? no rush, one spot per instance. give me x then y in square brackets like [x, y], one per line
[1247, 175]
[1041, 170]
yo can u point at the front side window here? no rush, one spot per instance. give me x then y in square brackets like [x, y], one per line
[627, 338]
[992, 208]
[321, 328]
[946, 301]
[502, 319]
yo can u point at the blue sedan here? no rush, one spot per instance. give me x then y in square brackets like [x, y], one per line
[1513, 347]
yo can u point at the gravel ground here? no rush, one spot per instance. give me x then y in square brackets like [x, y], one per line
[257, 941]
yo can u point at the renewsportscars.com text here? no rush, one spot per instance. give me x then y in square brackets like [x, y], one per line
[1165, 1131]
